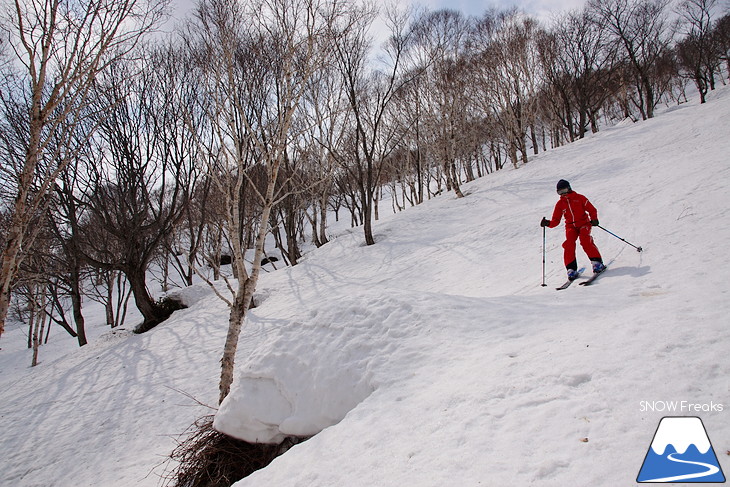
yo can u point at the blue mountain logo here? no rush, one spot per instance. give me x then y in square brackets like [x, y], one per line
[681, 452]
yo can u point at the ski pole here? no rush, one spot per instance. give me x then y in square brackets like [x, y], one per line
[638, 249]
[543, 257]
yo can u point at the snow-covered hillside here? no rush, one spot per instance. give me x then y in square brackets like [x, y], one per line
[435, 357]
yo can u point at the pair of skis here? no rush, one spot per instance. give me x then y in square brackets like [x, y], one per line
[587, 282]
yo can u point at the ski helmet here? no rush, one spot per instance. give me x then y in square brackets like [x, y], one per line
[563, 187]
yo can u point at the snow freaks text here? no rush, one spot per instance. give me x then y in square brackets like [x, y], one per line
[680, 407]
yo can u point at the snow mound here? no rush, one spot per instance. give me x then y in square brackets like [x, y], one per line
[307, 374]
[191, 295]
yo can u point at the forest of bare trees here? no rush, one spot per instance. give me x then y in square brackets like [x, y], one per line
[130, 158]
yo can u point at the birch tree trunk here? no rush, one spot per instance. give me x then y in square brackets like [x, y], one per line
[62, 46]
[256, 60]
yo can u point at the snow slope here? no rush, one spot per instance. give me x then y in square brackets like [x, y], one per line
[435, 357]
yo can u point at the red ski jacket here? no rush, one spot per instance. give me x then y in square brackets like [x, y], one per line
[576, 209]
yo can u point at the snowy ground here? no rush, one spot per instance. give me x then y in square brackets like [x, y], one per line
[435, 357]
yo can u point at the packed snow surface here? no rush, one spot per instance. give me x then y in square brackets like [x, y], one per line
[434, 357]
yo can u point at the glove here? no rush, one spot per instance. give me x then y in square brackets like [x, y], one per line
[594, 223]
[545, 222]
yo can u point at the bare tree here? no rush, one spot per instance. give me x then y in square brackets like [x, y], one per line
[177, 86]
[697, 52]
[507, 73]
[370, 95]
[64, 223]
[642, 29]
[256, 60]
[139, 180]
[412, 104]
[721, 36]
[441, 38]
[32, 302]
[326, 113]
[35, 299]
[578, 62]
[61, 47]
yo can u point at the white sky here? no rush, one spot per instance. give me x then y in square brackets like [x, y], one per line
[539, 8]
[542, 9]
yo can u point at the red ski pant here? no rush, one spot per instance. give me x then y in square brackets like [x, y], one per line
[583, 234]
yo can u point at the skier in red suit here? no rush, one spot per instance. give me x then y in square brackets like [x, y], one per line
[580, 215]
